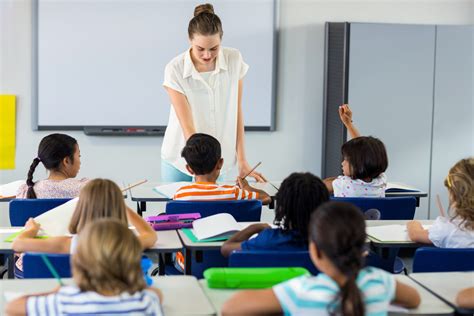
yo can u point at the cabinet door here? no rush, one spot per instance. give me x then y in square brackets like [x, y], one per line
[453, 128]
[391, 94]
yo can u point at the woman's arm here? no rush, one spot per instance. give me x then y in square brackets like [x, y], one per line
[146, 234]
[345, 114]
[234, 242]
[406, 296]
[417, 233]
[183, 111]
[244, 167]
[26, 241]
[252, 302]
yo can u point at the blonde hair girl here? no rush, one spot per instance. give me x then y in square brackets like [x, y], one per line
[108, 279]
[99, 198]
[457, 231]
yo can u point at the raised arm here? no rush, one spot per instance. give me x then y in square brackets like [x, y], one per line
[345, 115]
[244, 167]
[183, 112]
[234, 242]
[146, 234]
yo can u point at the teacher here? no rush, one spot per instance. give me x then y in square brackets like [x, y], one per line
[205, 88]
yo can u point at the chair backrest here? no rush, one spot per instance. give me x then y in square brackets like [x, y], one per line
[34, 266]
[22, 209]
[432, 259]
[273, 259]
[389, 207]
[241, 210]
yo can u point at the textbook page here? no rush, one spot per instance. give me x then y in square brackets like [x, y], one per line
[390, 233]
[397, 186]
[55, 222]
[10, 189]
[218, 225]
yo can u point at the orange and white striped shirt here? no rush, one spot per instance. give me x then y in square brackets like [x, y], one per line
[206, 191]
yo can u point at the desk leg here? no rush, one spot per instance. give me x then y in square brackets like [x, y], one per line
[417, 201]
[141, 207]
[161, 264]
[188, 257]
[11, 266]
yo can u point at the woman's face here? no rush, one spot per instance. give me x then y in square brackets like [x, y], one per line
[205, 49]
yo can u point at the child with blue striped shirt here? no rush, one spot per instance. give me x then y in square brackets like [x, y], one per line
[108, 278]
[344, 286]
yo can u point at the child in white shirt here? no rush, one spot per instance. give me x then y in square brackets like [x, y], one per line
[457, 231]
[364, 164]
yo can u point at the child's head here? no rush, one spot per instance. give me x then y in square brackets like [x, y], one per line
[299, 195]
[57, 152]
[365, 158]
[108, 259]
[337, 239]
[202, 153]
[99, 198]
[460, 184]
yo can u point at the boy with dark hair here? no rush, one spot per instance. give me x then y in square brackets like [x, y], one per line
[203, 157]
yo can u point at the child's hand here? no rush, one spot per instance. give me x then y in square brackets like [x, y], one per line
[242, 183]
[32, 226]
[411, 225]
[345, 114]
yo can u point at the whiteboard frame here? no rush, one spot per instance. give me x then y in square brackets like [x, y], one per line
[124, 129]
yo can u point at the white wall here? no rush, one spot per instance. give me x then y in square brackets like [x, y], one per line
[294, 146]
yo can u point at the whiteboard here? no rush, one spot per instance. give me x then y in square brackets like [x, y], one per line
[101, 62]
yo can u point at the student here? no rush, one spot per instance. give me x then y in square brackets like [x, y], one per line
[457, 231]
[465, 298]
[99, 198]
[61, 156]
[203, 160]
[344, 286]
[299, 195]
[108, 277]
[364, 164]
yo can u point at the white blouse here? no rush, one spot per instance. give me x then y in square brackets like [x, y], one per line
[213, 103]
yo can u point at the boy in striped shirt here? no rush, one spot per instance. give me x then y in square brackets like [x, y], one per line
[203, 157]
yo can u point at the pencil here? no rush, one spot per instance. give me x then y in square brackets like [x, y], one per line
[51, 269]
[252, 170]
[134, 185]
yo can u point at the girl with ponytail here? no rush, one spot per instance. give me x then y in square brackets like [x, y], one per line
[344, 286]
[60, 155]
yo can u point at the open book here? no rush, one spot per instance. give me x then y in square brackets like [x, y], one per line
[213, 228]
[169, 190]
[400, 187]
[9, 190]
[55, 222]
[390, 233]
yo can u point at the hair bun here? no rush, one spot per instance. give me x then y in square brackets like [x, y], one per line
[204, 8]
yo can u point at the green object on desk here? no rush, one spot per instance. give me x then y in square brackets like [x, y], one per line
[189, 233]
[14, 235]
[250, 278]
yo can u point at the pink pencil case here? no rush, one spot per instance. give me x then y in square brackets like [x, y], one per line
[172, 221]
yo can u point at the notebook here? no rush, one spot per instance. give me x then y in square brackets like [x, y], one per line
[213, 228]
[390, 233]
[55, 222]
[400, 187]
[9, 190]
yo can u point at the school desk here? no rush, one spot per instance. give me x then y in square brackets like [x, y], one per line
[446, 285]
[168, 241]
[394, 244]
[430, 304]
[144, 193]
[182, 295]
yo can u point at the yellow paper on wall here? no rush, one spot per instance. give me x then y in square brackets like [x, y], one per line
[7, 131]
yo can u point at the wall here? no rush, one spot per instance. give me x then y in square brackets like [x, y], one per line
[294, 146]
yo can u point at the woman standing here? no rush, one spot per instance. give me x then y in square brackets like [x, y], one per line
[205, 88]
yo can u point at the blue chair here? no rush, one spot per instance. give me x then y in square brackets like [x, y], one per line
[432, 259]
[241, 210]
[257, 258]
[22, 209]
[34, 266]
[389, 207]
